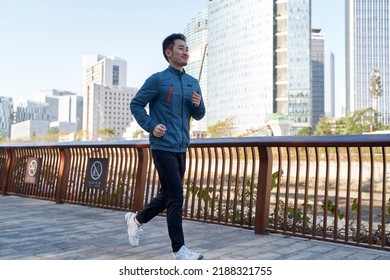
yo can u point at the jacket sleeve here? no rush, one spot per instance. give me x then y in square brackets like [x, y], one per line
[199, 112]
[145, 94]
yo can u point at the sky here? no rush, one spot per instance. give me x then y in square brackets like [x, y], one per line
[43, 41]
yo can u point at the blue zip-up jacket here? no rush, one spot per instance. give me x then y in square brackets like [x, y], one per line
[169, 95]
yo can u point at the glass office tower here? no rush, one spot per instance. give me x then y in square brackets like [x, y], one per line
[196, 34]
[293, 61]
[367, 50]
[240, 62]
[318, 76]
[259, 62]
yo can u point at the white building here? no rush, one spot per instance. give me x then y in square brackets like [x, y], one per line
[31, 119]
[26, 129]
[6, 116]
[106, 96]
[330, 105]
[70, 110]
[64, 107]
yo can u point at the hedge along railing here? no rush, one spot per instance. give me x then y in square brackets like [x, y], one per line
[328, 188]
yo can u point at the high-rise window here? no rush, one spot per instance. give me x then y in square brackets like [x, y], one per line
[115, 75]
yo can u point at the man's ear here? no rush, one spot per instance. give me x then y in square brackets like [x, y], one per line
[168, 53]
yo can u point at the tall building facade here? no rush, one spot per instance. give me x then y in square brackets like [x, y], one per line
[196, 33]
[109, 71]
[259, 62]
[6, 116]
[367, 51]
[240, 63]
[70, 110]
[330, 104]
[293, 88]
[106, 96]
[318, 76]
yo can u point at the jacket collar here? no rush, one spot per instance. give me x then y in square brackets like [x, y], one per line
[176, 71]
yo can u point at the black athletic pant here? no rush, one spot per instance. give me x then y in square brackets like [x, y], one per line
[170, 167]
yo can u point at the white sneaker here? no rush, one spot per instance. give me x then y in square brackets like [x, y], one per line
[133, 229]
[185, 254]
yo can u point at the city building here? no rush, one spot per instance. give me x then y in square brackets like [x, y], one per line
[64, 107]
[31, 118]
[259, 63]
[293, 89]
[318, 76]
[368, 53]
[31, 110]
[6, 116]
[197, 42]
[106, 96]
[240, 63]
[329, 102]
[24, 130]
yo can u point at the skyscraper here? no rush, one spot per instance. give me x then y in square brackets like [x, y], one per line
[367, 52]
[106, 96]
[329, 102]
[197, 42]
[293, 88]
[318, 76]
[259, 62]
[240, 63]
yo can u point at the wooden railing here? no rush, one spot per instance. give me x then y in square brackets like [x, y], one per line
[331, 188]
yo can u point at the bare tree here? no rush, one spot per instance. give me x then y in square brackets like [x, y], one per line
[375, 91]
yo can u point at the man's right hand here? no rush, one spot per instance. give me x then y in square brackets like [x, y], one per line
[159, 130]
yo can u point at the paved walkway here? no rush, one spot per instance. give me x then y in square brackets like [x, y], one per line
[33, 229]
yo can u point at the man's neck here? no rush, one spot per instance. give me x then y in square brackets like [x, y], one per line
[178, 68]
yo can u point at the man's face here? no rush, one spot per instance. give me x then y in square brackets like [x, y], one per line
[178, 56]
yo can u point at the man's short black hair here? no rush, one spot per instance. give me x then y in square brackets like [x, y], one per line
[170, 41]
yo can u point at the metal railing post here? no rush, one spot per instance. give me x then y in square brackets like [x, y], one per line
[9, 169]
[63, 174]
[263, 190]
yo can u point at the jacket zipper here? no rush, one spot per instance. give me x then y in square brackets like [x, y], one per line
[182, 110]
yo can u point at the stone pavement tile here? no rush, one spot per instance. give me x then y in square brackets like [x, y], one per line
[261, 252]
[292, 248]
[253, 250]
[298, 255]
[263, 256]
[334, 254]
[219, 253]
[320, 249]
[381, 257]
[364, 256]
[8, 252]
